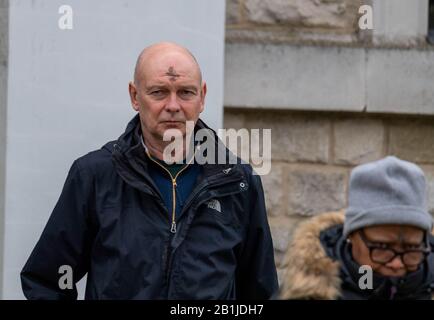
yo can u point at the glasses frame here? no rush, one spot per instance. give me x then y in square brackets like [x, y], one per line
[372, 246]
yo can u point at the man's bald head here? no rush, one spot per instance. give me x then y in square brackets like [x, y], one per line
[167, 92]
[158, 50]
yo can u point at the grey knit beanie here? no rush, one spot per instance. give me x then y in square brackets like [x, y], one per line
[387, 191]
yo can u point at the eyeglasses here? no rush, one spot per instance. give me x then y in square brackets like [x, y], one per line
[382, 255]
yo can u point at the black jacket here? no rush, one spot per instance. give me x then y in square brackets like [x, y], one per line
[111, 223]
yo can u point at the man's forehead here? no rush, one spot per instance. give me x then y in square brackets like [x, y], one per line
[172, 63]
[181, 83]
[170, 72]
[171, 75]
[394, 232]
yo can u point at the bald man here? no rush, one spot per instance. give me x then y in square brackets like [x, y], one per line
[143, 227]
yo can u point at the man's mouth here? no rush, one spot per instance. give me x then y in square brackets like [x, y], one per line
[396, 273]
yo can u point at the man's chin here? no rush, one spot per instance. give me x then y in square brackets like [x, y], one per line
[173, 124]
[394, 274]
[171, 129]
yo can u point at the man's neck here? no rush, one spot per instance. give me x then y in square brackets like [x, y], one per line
[156, 148]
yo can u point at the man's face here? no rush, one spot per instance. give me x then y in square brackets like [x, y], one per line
[398, 238]
[167, 93]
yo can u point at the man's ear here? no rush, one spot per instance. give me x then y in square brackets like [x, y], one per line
[133, 96]
[202, 96]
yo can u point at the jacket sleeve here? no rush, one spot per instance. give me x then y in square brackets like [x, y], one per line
[65, 240]
[257, 276]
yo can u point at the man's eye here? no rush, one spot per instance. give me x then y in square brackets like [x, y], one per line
[158, 93]
[187, 93]
[382, 245]
[413, 246]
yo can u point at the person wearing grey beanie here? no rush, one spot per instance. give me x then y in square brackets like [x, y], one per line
[388, 191]
[380, 247]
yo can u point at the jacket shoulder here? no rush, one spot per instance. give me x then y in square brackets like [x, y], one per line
[250, 174]
[310, 273]
[97, 160]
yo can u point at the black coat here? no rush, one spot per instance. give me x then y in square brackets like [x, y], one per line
[110, 222]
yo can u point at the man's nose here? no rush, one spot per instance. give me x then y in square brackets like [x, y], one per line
[173, 104]
[396, 263]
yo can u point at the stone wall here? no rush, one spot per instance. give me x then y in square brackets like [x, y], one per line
[395, 22]
[334, 96]
[313, 154]
[292, 20]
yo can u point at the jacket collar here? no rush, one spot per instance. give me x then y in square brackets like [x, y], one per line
[131, 163]
[129, 146]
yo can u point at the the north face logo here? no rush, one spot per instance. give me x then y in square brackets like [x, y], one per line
[215, 204]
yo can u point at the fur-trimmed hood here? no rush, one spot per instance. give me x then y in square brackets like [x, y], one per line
[310, 272]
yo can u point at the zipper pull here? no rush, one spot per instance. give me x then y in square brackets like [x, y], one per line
[174, 182]
[173, 228]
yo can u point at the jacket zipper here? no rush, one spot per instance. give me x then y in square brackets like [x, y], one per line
[195, 195]
[173, 225]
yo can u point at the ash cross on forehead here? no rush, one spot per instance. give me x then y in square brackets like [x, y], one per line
[172, 74]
